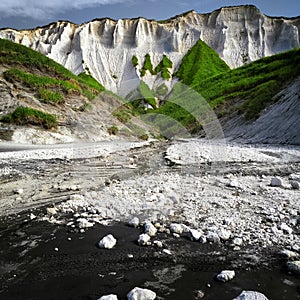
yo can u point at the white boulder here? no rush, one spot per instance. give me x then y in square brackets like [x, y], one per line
[108, 242]
[141, 294]
[84, 223]
[195, 234]
[109, 297]
[250, 295]
[224, 234]
[226, 275]
[212, 237]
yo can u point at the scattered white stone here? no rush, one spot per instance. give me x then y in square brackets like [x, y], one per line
[134, 222]
[166, 251]
[276, 181]
[144, 239]
[130, 255]
[56, 249]
[109, 297]
[250, 295]
[226, 275]
[158, 244]
[237, 241]
[176, 228]
[51, 211]
[141, 294]
[232, 183]
[294, 266]
[32, 216]
[224, 234]
[212, 237]
[150, 229]
[84, 223]
[107, 242]
[286, 229]
[295, 185]
[195, 234]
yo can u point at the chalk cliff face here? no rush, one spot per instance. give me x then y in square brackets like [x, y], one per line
[105, 47]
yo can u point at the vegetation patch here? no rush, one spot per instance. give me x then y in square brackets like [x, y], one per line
[164, 66]
[113, 130]
[48, 96]
[29, 116]
[135, 61]
[147, 66]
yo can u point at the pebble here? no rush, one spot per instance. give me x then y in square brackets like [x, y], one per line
[108, 242]
[159, 244]
[295, 185]
[195, 234]
[294, 267]
[176, 228]
[276, 182]
[226, 275]
[199, 294]
[150, 229]
[134, 222]
[141, 294]
[144, 239]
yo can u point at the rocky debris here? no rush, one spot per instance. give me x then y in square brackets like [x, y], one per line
[294, 267]
[108, 242]
[109, 297]
[276, 182]
[144, 239]
[51, 211]
[295, 184]
[158, 244]
[141, 294]
[176, 228]
[225, 275]
[150, 229]
[134, 222]
[250, 295]
[288, 254]
[84, 223]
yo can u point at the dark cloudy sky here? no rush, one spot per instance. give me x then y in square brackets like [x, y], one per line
[31, 13]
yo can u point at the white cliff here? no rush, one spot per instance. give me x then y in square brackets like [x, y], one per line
[105, 47]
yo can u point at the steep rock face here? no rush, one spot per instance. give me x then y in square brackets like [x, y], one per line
[105, 47]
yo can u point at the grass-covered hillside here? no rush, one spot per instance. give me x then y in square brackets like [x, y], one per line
[247, 90]
[47, 80]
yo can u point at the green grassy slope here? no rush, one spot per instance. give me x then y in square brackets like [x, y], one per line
[200, 63]
[247, 90]
[49, 81]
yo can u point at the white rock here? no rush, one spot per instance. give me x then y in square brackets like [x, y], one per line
[285, 228]
[203, 239]
[19, 191]
[32, 216]
[295, 185]
[141, 294]
[224, 234]
[176, 228]
[84, 223]
[212, 237]
[134, 222]
[150, 229]
[109, 297]
[107, 242]
[167, 251]
[276, 181]
[294, 266]
[288, 253]
[226, 275]
[232, 183]
[250, 295]
[159, 244]
[237, 241]
[51, 211]
[76, 197]
[195, 234]
[144, 239]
